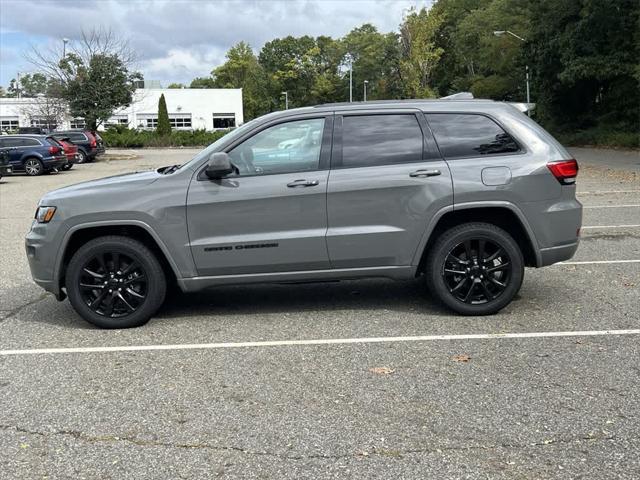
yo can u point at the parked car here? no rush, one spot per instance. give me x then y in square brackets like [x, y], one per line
[33, 154]
[70, 150]
[466, 193]
[5, 166]
[90, 144]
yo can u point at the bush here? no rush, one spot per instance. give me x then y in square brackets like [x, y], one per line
[122, 137]
[600, 137]
[164, 126]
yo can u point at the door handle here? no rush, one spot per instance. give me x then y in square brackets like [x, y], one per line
[303, 183]
[425, 173]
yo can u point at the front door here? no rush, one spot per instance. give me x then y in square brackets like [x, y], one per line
[387, 182]
[272, 215]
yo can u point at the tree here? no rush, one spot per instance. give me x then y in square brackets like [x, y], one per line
[176, 85]
[202, 82]
[164, 126]
[94, 75]
[30, 85]
[419, 53]
[242, 70]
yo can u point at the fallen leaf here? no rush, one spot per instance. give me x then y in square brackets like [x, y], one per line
[461, 358]
[382, 370]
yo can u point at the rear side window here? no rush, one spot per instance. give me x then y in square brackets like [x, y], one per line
[371, 140]
[21, 142]
[77, 137]
[469, 135]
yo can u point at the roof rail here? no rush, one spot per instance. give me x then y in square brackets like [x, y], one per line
[458, 96]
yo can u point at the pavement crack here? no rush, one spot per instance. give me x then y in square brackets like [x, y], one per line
[380, 452]
[15, 311]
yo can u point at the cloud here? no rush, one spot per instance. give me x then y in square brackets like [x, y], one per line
[181, 39]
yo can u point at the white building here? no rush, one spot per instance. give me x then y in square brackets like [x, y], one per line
[189, 109]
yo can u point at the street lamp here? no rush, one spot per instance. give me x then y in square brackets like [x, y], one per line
[499, 33]
[366, 82]
[286, 100]
[64, 47]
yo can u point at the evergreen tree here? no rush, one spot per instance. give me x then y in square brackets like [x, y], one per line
[164, 127]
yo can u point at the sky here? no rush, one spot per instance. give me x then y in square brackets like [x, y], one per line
[178, 40]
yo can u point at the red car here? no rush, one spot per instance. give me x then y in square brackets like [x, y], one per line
[70, 150]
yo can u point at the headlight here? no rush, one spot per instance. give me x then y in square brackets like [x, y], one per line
[45, 214]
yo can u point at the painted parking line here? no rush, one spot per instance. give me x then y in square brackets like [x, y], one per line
[606, 192]
[596, 262]
[592, 227]
[610, 206]
[332, 341]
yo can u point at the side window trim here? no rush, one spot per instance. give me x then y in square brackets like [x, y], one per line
[521, 149]
[325, 147]
[336, 153]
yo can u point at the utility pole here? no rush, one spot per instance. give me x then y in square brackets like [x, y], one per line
[18, 89]
[366, 82]
[499, 33]
[64, 47]
[349, 58]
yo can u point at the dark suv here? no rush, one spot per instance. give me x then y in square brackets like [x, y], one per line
[33, 154]
[89, 143]
[466, 193]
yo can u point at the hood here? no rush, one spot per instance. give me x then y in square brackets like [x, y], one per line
[126, 181]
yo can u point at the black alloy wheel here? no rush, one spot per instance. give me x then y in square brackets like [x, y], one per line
[475, 268]
[113, 284]
[477, 271]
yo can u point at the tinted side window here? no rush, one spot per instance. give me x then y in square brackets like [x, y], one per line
[370, 140]
[284, 148]
[76, 137]
[468, 135]
[22, 142]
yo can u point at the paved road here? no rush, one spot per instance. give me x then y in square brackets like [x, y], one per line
[447, 407]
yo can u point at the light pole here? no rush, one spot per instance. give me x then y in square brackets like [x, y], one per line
[499, 33]
[366, 82]
[286, 100]
[349, 58]
[64, 47]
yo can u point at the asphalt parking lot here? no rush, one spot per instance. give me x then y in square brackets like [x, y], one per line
[367, 379]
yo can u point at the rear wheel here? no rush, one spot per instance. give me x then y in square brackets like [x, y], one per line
[82, 156]
[115, 282]
[33, 167]
[475, 268]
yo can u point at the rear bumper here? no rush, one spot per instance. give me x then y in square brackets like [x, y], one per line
[552, 255]
[6, 169]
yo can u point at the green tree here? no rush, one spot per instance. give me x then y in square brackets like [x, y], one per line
[242, 70]
[419, 52]
[585, 60]
[176, 85]
[164, 127]
[31, 85]
[202, 82]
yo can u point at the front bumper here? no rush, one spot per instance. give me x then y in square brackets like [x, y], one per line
[41, 245]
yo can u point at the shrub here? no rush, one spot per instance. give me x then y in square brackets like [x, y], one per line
[122, 137]
[164, 126]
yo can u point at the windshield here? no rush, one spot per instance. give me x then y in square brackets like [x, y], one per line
[221, 141]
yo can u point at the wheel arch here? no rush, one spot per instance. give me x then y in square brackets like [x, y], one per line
[502, 214]
[80, 234]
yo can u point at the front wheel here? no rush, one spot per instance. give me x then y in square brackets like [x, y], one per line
[115, 282]
[475, 268]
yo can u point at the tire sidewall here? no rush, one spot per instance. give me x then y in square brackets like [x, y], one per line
[156, 288]
[477, 231]
[82, 156]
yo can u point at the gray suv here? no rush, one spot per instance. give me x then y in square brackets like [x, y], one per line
[464, 192]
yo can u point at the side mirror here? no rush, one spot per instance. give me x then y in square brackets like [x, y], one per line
[219, 166]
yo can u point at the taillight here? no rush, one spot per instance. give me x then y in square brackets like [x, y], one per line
[54, 150]
[92, 140]
[565, 171]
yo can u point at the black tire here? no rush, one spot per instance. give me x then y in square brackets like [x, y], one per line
[93, 265]
[482, 286]
[82, 156]
[33, 167]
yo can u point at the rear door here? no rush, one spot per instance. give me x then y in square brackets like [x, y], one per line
[387, 181]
